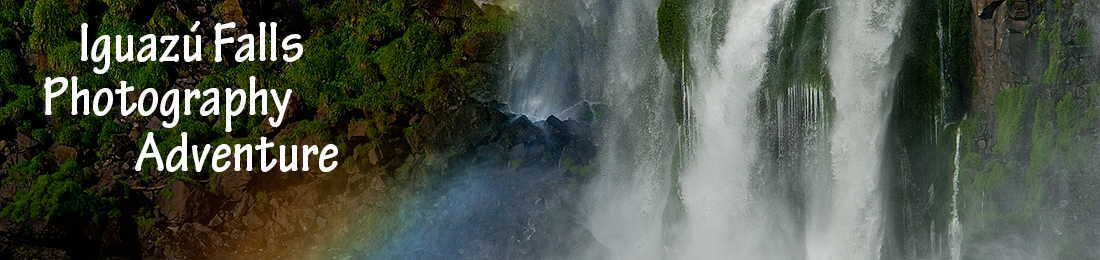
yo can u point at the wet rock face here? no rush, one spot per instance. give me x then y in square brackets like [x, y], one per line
[989, 8]
[1021, 10]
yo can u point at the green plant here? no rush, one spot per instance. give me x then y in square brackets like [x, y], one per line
[61, 193]
[1012, 105]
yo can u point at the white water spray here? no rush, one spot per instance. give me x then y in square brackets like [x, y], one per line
[718, 205]
[954, 230]
[860, 46]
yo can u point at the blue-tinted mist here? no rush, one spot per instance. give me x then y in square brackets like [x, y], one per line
[509, 192]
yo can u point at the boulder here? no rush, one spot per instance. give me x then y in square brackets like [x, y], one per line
[231, 11]
[232, 184]
[374, 156]
[65, 153]
[154, 124]
[556, 127]
[24, 141]
[187, 203]
[358, 130]
[7, 192]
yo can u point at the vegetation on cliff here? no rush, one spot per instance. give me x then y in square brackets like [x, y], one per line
[1025, 168]
[370, 71]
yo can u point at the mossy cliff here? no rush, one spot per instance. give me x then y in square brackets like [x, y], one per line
[1027, 177]
[387, 81]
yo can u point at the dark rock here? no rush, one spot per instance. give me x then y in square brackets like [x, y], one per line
[377, 183]
[374, 156]
[232, 12]
[135, 135]
[391, 118]
[306, 195]
[154, 124]
[482, 47]
[199, 238]
[187, 203]
[111, 169]
[358, 130]
[24, 141]
[65, 153]
[252, 221]
[989, 9]
[216, 221]
[7, 192]
[1021, 10]
[556, 126]
[232, 184]
[358, 182]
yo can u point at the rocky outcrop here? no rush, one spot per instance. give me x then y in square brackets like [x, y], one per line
[992, 71]
[989, 8]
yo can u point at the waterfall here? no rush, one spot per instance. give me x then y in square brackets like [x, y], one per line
[780, 158]
[627, 200]
[860, 65]
[718, 204]
[954, 229]
[606, 53]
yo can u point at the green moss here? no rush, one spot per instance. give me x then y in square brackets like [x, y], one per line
[1012, 105]
[969, 129]
[1053, 74]
[26, 168]
[153, 75]
[146, 218]
[516, 162]
[9, 67]
[584, 172]
[1083, 37]
[673, 34]
[59, 194]
[8, 38]
[65, 60]
[1042, 141]
[70, 136]
[118, 11]
[53, 18]
[307, 128]
[990, 178]
[9, 11]
[312, 75]
[162, 23]
[42, 136]
[25, 103]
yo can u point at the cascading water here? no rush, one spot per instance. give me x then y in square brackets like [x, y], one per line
[603, 52]
[718, 205]
[954, 229]
[754, 129]
[814, 193]
[860, 66]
